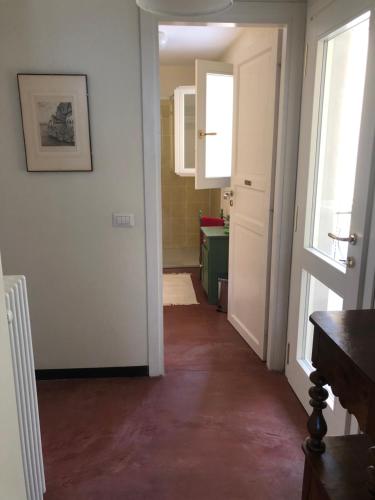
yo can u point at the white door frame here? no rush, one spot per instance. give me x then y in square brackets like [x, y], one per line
[292, 18]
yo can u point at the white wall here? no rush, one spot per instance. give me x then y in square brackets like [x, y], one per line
[86, 280]
[12, 482]
[172, 76]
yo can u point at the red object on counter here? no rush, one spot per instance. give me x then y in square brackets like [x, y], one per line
[211, 221]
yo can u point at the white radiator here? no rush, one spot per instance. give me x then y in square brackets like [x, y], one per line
[24, 376]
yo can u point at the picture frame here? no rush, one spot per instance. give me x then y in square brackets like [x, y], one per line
[55, 121]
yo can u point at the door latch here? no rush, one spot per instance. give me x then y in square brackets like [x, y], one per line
[349, 262]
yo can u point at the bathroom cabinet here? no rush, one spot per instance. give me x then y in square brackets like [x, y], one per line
[184, 130]
[215, 246]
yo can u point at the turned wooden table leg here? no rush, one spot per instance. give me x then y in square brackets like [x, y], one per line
[316, 423]
[371, 471]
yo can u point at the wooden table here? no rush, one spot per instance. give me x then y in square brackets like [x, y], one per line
[342, 468]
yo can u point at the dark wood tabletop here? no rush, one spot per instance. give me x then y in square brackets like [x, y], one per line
[354, 333]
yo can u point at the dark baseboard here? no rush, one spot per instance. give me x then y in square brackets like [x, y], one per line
[113, 371]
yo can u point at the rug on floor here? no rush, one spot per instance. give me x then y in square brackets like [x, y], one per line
[178, 290]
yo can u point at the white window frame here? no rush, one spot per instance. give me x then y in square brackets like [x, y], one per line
[179, 130]
[291, 17]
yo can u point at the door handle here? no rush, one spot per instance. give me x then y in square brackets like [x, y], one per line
[352, 238]
[228, 194]
[203, 134]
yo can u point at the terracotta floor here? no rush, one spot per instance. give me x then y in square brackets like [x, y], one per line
[218, 426]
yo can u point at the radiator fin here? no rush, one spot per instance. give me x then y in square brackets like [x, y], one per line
[25, 385]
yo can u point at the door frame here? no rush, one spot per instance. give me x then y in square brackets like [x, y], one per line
[291, 17]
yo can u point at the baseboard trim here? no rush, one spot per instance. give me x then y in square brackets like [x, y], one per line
[108, 372]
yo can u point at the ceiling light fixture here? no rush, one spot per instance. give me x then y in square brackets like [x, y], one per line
[183, 7]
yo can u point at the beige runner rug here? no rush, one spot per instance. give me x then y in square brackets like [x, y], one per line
[178, 290]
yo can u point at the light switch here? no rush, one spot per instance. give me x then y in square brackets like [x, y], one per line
[122, 220]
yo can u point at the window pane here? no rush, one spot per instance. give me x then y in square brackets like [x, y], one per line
[318, 298]
[219, 118]
[189, 131]
[344, 70]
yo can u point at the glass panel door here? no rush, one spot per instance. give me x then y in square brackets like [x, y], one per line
[184, 130]
[214, 118]
[219, 119]
[318, 298]
[189, 132]
[333, 188]
[343, 79]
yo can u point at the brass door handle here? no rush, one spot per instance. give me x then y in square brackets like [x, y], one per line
[352, 238]
[203, 134]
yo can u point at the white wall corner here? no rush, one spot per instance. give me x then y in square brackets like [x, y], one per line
[152, 188]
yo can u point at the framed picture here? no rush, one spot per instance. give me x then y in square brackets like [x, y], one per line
[55, 118]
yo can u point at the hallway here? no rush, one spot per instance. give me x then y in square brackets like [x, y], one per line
[218, 426]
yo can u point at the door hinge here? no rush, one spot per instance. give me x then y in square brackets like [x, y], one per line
[287, 353]
[305, 60]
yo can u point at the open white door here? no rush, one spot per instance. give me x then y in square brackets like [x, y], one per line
[256, 87]
[334, 189]
[213, 126]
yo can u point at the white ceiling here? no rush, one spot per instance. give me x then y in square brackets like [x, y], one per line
[187, 43]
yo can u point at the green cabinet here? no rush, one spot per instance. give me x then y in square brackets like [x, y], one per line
[214, 252]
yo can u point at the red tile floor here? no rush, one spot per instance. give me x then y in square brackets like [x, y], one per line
[218, 426]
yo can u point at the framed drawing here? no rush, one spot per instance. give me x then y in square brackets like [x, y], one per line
[55, 119]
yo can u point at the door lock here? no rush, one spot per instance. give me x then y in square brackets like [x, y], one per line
[349, 262]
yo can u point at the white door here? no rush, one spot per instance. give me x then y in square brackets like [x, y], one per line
[213, 126]
[256, 84]
[12, 481]
[334, 181]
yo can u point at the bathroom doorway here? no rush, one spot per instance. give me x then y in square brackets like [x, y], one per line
[219, 88]
[183, 206]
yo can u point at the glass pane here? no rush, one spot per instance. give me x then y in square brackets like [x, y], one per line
[219, 118]
[189, 127]
[344, 69]
[318, 298]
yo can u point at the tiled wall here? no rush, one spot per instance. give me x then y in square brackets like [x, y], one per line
[181, 202]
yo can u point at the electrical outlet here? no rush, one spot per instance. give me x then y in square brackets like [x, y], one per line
[122, 220]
